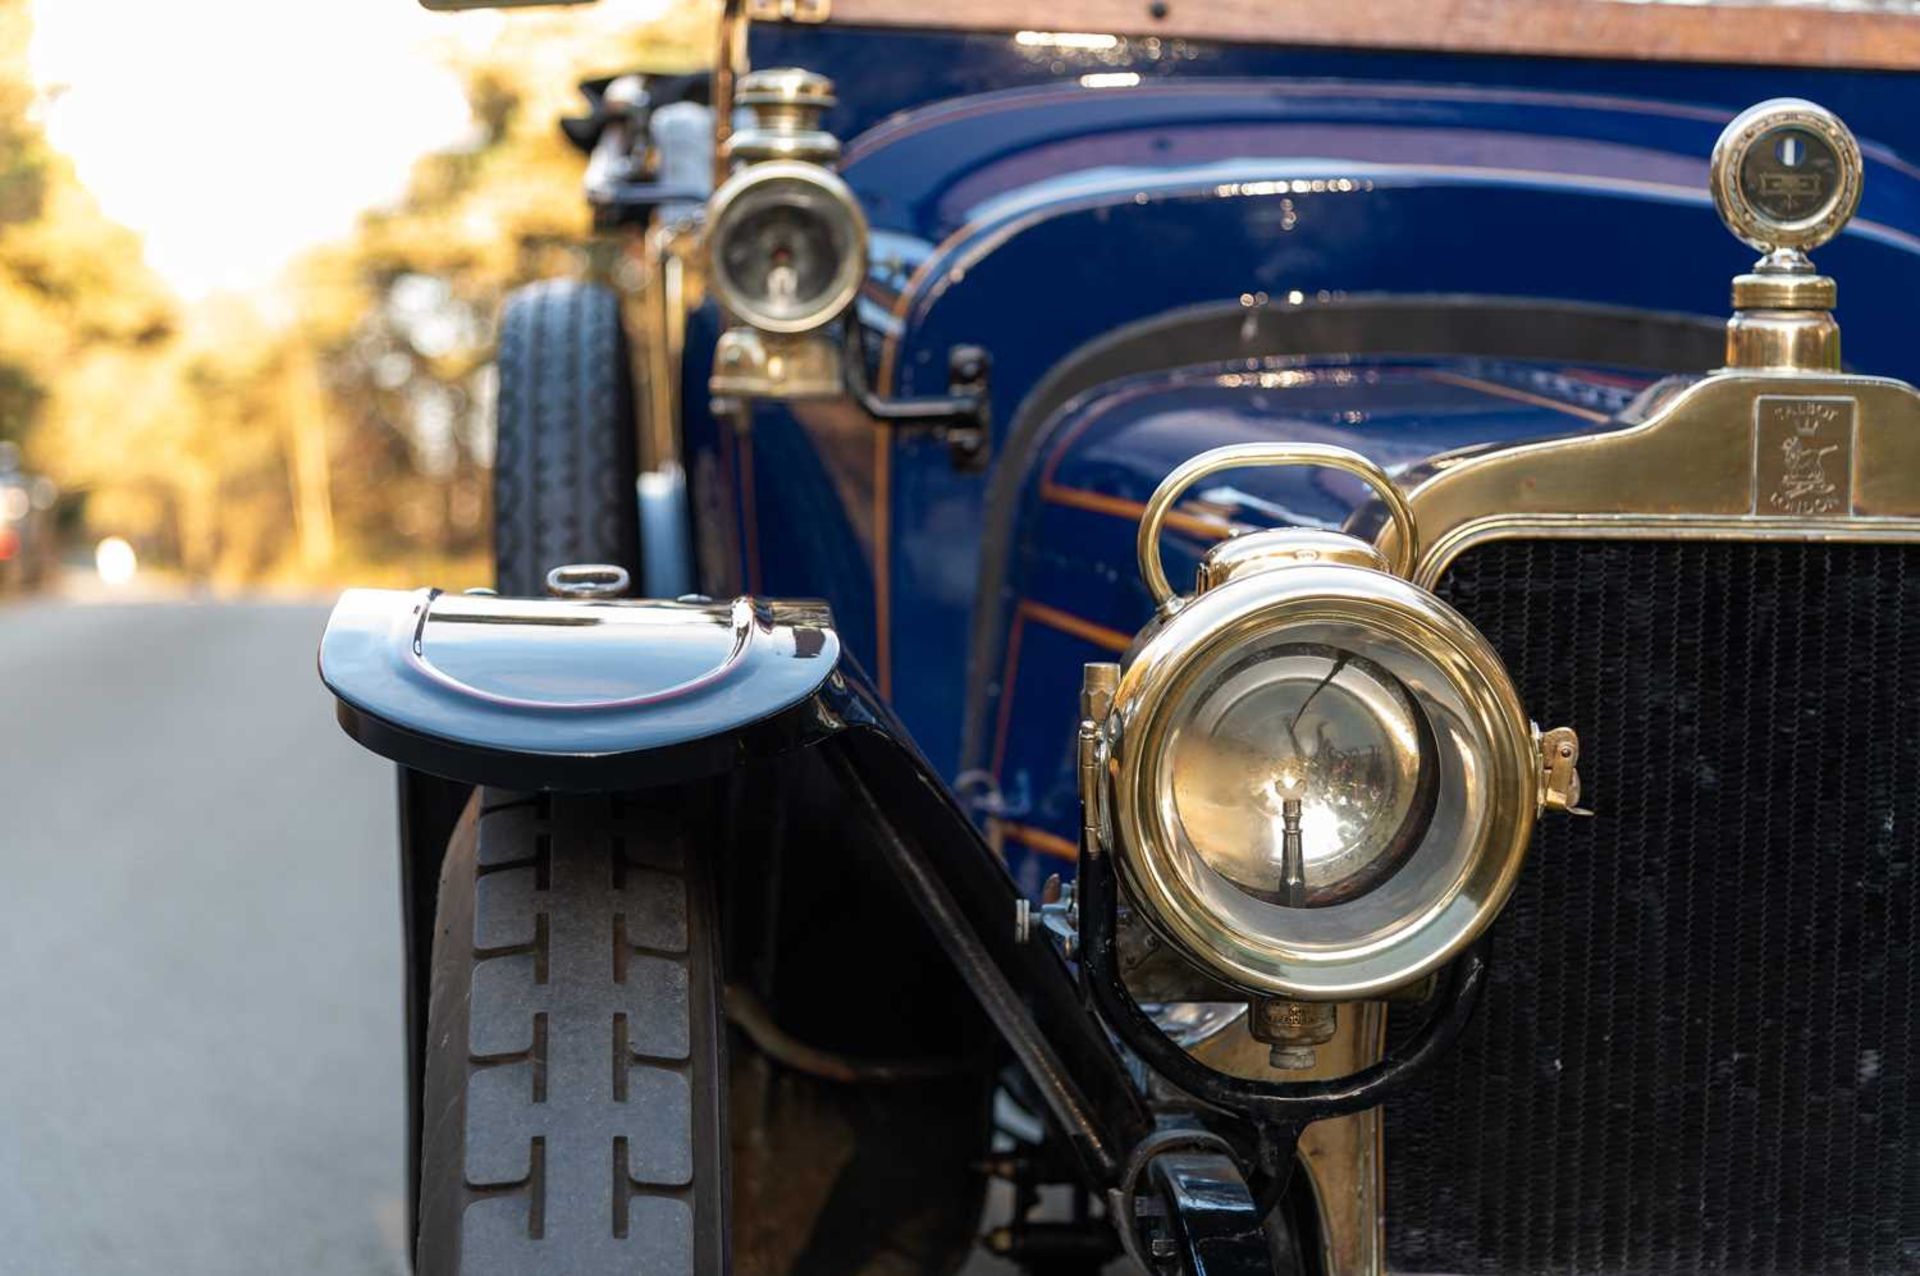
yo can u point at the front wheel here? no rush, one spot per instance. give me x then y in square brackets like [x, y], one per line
[574, 1121]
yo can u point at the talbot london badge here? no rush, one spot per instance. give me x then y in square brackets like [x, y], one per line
[1802, 455]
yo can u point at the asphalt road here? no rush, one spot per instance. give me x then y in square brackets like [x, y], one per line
[201, 1063]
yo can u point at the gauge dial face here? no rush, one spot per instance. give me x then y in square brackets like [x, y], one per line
[1302, 774]
[785, 250]
[1786, 175]
[1790, 173]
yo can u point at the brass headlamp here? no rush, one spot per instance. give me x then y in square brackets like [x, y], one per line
[1316, 778]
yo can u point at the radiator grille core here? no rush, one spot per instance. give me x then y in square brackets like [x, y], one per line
[1697, 1050]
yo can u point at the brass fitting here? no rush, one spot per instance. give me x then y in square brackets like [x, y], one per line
[1786, 178]
[787, 105]
[1294, 1030]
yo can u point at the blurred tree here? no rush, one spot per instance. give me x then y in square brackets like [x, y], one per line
[78, 306]
[343, 429]
[402, 316]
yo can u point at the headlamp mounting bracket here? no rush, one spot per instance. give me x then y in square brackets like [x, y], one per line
[1262, 1119]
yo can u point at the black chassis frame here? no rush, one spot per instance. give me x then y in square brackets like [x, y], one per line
[1063, 1024]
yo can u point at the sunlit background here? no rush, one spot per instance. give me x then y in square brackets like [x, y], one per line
[250, 260]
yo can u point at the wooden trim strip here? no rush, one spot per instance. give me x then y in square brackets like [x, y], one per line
[1068, 623]
[1050, 844]
[1741, 34]
[1009, 670]
[1052, 617]
[1497, 390]
[1122, 507]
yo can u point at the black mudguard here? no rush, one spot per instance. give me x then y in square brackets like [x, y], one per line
[576, 696]
[584, 696]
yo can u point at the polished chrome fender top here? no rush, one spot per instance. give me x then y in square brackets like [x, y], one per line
[1316, 778]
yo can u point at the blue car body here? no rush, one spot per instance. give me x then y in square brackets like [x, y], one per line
[1166, 247]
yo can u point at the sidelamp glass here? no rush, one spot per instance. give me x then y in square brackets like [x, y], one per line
[784, 250]
[789, 246]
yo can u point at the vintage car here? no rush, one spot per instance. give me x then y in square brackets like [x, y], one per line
[1053, 605]
[27, 533]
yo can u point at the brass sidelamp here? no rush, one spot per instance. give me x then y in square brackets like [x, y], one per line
[788, 244]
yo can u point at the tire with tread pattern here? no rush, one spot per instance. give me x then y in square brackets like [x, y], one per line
[565, 454]
[574, 1113]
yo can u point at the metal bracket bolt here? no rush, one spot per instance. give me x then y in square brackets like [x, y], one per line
[1294, 1030]
[967, 372]
[1559, 771]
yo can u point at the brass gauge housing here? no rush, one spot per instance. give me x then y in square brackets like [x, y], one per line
[1786, 178]
[1319, 782]
[1786, 175]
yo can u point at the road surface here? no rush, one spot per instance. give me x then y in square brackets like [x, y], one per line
[201, 1069]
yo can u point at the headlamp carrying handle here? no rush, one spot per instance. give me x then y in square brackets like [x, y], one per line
[1271, 455]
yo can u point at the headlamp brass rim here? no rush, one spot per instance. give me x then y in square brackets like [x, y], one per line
[1246, 610]
[851, 271]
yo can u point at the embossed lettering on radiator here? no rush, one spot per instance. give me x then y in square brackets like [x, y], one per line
[1803, 455]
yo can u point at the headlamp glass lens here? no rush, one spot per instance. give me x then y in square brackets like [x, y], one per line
[784, 249]
[1303, 774]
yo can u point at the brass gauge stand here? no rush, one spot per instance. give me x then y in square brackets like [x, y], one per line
[1786, 179]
